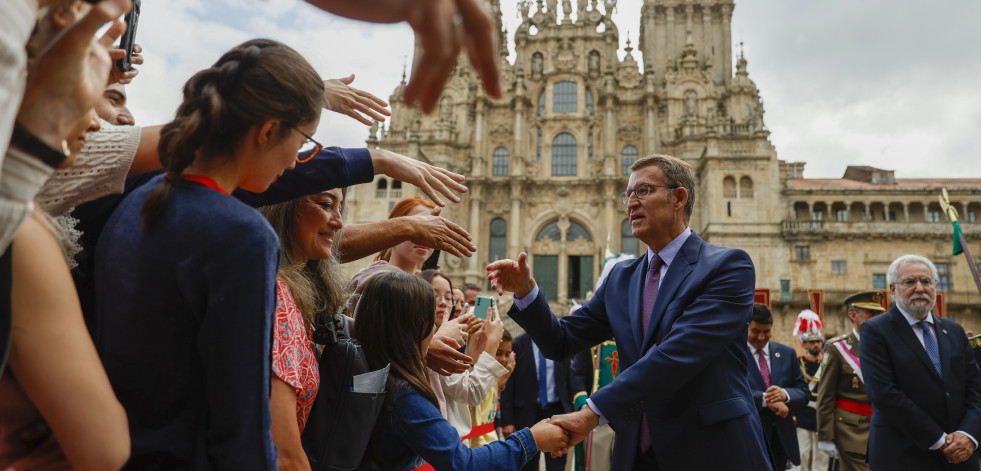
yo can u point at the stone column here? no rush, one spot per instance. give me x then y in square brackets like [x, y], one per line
[563, 265]
[727, 41]
[474, 271]
[905, 211]
[669, 29]
[610, 200]
[514, 226]
[706, 45]
[478, 137]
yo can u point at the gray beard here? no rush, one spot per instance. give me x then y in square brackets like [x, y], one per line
[915, 311]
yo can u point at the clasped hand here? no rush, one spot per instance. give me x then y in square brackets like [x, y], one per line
[957, 447]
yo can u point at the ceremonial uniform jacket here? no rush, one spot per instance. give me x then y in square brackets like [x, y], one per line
[849, 430]
[805, 414]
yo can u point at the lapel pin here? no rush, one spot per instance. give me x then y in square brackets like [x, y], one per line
[944, 330]
[777, 354]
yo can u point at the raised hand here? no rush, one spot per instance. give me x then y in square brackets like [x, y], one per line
[118, 76]
[442, 28]
[434, 231]
[511, 275]
[778, 408]
[341, 97]
[432, 180]
[69, 76]
[549, 437]
[443, 357]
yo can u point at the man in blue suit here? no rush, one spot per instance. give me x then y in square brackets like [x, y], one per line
[922, 378]
[778, 386]
[681, 399]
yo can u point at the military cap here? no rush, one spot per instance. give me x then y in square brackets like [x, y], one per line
[811, 336]
[871, 300]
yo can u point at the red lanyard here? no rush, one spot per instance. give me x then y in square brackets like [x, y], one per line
[203, 180]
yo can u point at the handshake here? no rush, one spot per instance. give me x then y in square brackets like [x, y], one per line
[559, 433]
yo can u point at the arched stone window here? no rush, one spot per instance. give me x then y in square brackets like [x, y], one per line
[500, 162]
[729, 187]
[745, 187]
[628, 243]
[564, 155]
[382, 188]
[498, 239]
[564, 97]
[577, 232]
[550, 232]
[396, 189]
[627, 158]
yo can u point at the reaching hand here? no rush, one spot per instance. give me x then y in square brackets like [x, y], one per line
[70, 75]
[436, 232]
[494, 327]
[577, 423]
[502, 381]
[958, 447]
[444, 358]
[549, 437]
[124, 78]
[478, 341]
[431, 180]
[442, 27]
[341, 97]
[507, 430]
[510, 275]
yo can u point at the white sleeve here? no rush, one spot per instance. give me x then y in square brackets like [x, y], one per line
[470, 387]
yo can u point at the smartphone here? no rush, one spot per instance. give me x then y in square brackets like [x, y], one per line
[129, 37]
[481, 306]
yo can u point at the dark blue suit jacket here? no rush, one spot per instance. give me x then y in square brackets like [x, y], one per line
[784, 372]
[687, 372]
[911, 405]
[519, 399]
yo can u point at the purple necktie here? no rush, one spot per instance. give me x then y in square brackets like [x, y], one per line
[764, 367]
[650, 295]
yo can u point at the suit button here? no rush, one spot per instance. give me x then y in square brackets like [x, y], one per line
[948, 394]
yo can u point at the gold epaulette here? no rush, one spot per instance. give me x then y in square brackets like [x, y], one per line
[835, 339]
[975, 341]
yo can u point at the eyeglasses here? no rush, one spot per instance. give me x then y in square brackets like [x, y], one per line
[642, 191]
[910, 282]
[446, 297]
[309, 149]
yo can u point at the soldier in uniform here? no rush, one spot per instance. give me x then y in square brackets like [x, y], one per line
[843, 409]
[585, 379]
[808, 330]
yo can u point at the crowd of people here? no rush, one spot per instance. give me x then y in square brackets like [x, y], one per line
[162, 288]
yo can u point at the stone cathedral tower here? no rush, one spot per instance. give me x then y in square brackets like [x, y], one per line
[545, 164]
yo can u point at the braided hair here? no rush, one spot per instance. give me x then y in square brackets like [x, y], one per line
[256, 81]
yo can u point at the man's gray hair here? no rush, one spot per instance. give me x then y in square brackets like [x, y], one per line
[676, 172]
[893, 274]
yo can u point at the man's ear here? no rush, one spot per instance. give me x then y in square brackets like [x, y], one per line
[268, 131]
[681, 198]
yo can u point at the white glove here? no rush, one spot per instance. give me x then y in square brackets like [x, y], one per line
[828, 447]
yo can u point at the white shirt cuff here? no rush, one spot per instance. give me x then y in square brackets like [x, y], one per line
[592, 407]
[939, 443]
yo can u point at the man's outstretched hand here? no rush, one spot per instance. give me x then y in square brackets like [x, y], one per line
[578, 424]
[510, 275]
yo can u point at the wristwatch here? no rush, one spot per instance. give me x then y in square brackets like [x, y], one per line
[30, 143]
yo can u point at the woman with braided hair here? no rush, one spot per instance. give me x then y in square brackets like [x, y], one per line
[186, 274]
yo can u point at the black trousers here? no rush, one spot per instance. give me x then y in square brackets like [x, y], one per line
[551, 464]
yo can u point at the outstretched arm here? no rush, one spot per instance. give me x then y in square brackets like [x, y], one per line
[443, 28]
[341, 97]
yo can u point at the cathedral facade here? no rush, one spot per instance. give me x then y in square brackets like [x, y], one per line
[545, 164]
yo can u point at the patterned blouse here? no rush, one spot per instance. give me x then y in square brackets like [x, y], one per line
[293, 359]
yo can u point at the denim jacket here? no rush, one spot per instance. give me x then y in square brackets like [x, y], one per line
[413, 432]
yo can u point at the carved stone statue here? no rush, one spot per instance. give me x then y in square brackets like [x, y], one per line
[690, 103]
[536, 63]
[594, 62]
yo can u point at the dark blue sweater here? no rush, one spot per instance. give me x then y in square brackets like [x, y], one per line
[184, 324]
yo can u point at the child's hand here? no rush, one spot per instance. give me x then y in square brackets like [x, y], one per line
[549, 437]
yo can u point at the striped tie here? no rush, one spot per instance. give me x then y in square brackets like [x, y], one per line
[930, 344]
[764, 367]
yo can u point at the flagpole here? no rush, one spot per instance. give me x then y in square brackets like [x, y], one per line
[951, 212]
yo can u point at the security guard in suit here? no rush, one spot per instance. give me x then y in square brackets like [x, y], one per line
[843, 409]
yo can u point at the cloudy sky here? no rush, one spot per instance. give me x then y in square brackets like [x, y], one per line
[889, 84]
